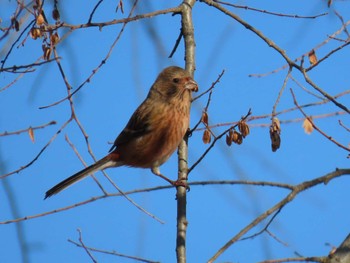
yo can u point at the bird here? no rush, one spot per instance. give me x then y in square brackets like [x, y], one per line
[153, 132]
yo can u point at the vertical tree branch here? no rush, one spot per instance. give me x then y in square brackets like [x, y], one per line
[188, 34]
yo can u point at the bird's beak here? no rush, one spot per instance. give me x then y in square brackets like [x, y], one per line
[191, 85]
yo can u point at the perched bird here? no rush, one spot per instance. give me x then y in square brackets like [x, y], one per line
[153, 132]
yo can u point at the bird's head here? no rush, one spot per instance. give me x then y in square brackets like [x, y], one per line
[173, 82]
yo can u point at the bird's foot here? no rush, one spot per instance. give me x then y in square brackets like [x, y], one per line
[181, 182]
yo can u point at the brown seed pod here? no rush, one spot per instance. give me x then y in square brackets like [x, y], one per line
[35, 33]
[307, 125]
[47, 52]
[243, 128]
[40, 19]
[54, 38]
[312, 57]
[229, 137]
[56, 14]
[237, 137]
[206, 136]
[205, 118]
[275, 131]
[275, 140]
[276, 125]
[228, 140]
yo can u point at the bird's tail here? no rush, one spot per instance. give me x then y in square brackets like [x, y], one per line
[104, 163]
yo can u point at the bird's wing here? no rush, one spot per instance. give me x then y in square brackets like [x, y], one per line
[137, 126]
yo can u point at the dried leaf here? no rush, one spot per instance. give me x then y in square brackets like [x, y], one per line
[312, 57]
[307, 125]
[205, 117]
[206, 136]
[31, 134]
[243, 128]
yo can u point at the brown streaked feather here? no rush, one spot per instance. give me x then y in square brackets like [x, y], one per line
[137, 126]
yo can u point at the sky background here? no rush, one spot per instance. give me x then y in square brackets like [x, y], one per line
[215, 213]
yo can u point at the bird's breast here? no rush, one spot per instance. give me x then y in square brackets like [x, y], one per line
[167, 127]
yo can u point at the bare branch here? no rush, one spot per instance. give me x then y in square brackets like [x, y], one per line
[214, 141]
[269, 12]
[268, 41]
[83, 246]
[40, 152]
[187, 30]
[113, 253]
[297, 189]
[6, 133]
[94, 71]
[316, 128]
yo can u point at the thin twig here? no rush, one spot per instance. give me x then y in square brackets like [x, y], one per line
[316, 127]
[307, 90]
[93, 11]
[177, 42]
[114, 253]
[273, 114]
[319, 61]
[133, 202]
[6, 133]
[129, 19]
[211, 87]
[269, 12]
[85, 248]
[297, 259]
[14, 69]
[297, 189]
[3, 61]
[146, 190]
[346, 128]
[95, 70]
[84, 163]
[333, 36]
[40, 152]
[249, 27]
[213, 143]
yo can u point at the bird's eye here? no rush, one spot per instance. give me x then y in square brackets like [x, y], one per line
[176, 80]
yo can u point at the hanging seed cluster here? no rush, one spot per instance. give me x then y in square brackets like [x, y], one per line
[42, 30]
[207, 133]
[232, 136]
[237, 137]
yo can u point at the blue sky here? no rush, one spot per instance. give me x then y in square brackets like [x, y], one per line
[215, 213]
